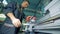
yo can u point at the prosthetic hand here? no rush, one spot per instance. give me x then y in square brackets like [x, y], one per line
[28, 18]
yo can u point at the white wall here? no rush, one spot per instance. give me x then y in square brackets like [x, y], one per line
[55, 9]
[50, 4]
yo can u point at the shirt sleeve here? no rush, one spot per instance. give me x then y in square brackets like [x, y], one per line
[8, 9]
[24, 16]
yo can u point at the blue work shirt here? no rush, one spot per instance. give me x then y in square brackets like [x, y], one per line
[11, 8]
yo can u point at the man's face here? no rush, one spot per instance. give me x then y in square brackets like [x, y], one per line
[25, 4]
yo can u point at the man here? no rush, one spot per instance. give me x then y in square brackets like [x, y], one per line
[14, 17]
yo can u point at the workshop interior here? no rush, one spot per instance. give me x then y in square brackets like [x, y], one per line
[45, 16]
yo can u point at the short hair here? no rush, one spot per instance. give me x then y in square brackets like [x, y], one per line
[27, 1]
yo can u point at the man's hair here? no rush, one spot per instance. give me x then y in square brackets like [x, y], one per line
[23, 1]
[27, 1]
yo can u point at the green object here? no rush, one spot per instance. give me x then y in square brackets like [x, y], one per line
[2, 19]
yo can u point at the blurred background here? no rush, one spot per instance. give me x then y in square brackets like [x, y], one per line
[47, 13]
